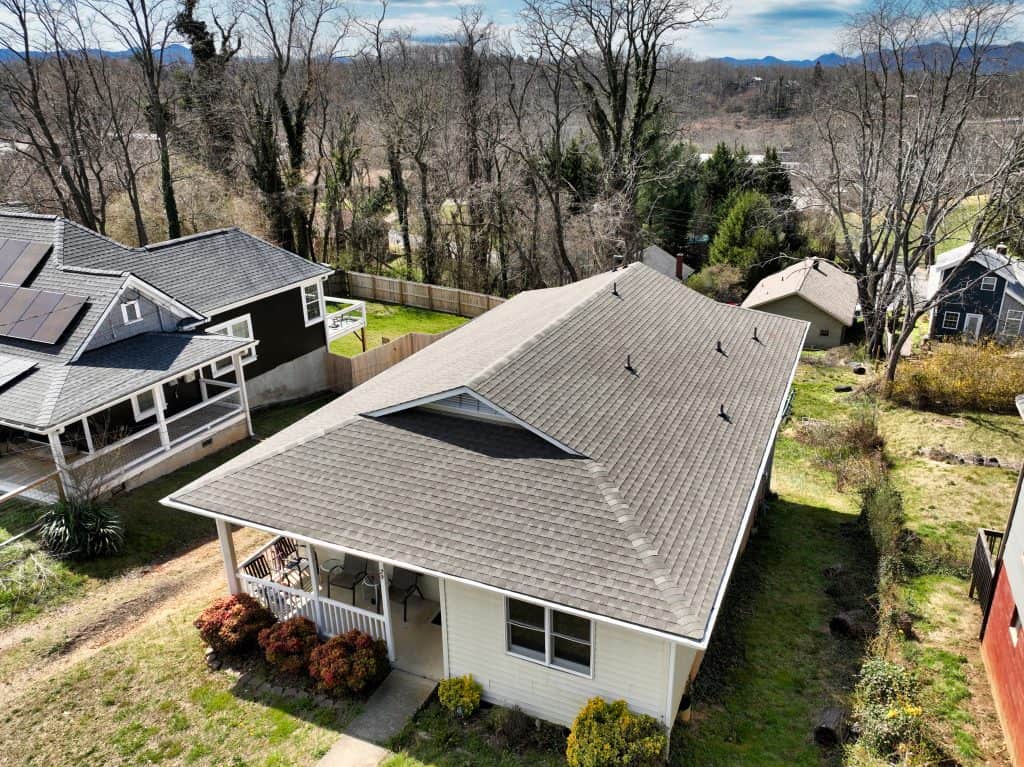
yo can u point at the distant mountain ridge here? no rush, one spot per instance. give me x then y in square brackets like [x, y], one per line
[1002, 58]
[172, 54]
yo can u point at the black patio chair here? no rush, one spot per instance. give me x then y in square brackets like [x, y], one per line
[347, 575]
[258, 568]
[405, 583]
[290, 559]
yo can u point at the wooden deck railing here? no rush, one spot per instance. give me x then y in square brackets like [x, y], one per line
[983, 565]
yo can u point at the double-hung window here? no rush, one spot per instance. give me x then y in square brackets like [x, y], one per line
[1012, 325]
[950, 320]
[989, 284]
[312, 302]
[548, 636]
[239, 327]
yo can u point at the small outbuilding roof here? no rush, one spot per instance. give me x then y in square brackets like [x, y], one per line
[817, 281]
[647, 411]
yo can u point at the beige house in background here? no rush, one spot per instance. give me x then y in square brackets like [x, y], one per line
[813, 290]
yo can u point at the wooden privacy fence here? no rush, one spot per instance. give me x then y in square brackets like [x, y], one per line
[433, 297]
[344, 373]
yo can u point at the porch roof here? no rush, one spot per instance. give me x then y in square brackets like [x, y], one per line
[52, 394]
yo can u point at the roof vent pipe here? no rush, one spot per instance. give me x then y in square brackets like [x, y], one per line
[629, 364]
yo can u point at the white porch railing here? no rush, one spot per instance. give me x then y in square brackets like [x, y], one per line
[351, 317]
[330, 617]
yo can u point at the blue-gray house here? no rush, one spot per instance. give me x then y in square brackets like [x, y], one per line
[985, 294]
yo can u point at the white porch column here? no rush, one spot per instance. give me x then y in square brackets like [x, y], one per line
[161, 420]
[88, 434]
[314, 584]
[243, 396]
[385, 606]
[227, 553]
[63, 476]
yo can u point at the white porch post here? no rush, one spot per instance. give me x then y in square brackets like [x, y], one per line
[88, 433]
[227, 552]
[63, 477]
[314, 584]
[161, 420]
[243, 396]
[385, 606]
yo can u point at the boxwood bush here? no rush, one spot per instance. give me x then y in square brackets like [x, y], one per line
[610, 735]
[233, 623]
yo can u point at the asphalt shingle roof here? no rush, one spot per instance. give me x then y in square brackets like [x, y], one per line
[817, 281]
[642, 523]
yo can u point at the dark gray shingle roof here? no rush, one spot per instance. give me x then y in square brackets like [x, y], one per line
[675, 477]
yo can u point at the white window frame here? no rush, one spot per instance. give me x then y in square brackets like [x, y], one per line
[140, 413]
[945, 320]
[138, 312]
[1015, 317]
[989, 284]
[319, 286]
[549, 636]
[225, 364]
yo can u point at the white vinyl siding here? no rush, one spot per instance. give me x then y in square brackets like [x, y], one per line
[627, 664]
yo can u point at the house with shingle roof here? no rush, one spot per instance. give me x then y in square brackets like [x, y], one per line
[120, 363]
[814, 290]
[551, 498]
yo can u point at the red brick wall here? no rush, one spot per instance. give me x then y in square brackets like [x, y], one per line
[1005, 665]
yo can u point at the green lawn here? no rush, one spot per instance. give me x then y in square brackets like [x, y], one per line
[391, 321]
[31, 581]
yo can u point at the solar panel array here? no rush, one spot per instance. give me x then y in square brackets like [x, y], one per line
[27, 313]
[12, 367]
[19, 258]
[36, 315]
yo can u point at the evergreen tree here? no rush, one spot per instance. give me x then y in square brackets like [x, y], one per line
[749, 237]
[666, 203]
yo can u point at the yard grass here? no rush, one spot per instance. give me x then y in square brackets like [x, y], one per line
[32, 582]
[150, 700]
[391, 321]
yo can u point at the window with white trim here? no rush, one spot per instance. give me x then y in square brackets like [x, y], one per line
[823, 332]
[548, 636]
[1015, 627]
[989, 284]
[131, 312]
[1014, 320]
[313, 303]
[950, 320]
[239, 327]
[143, 405]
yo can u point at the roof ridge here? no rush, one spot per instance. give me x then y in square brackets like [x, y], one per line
[546, 329]
[190, 237]
[646, 550]
[27, 214]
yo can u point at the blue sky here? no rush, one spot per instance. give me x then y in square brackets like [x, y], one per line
[785, 28]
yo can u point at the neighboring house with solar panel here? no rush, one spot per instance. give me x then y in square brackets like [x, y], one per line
[551, 498]
[122, 363]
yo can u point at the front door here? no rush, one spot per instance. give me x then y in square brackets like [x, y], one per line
[972, 326]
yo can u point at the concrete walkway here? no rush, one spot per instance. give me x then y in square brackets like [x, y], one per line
[383, 716]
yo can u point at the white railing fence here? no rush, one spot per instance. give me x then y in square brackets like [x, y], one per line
[350, 317]
[331, 617]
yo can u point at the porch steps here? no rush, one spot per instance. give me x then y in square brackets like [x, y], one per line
[392, 705]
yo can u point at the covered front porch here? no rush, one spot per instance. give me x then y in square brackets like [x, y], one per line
[340, 592]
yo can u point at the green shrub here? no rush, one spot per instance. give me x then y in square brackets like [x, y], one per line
[610, 735]
[287, 645]
[460, 695]
[721, 282]
[352, 662]
[232, 624]
[882, 511]
[887, 709]
[81, 530]
[955, 376]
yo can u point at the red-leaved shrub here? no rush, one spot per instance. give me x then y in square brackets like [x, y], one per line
[351, 662]
[232, 624]
[287, 644]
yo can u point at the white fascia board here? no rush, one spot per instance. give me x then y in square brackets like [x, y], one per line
[685, 641]
[716, 608]
[466, 390]
[245, 302]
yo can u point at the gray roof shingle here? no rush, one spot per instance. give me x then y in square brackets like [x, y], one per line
[656, 499]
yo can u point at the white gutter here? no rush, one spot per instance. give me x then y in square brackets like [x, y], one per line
[169, 501]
